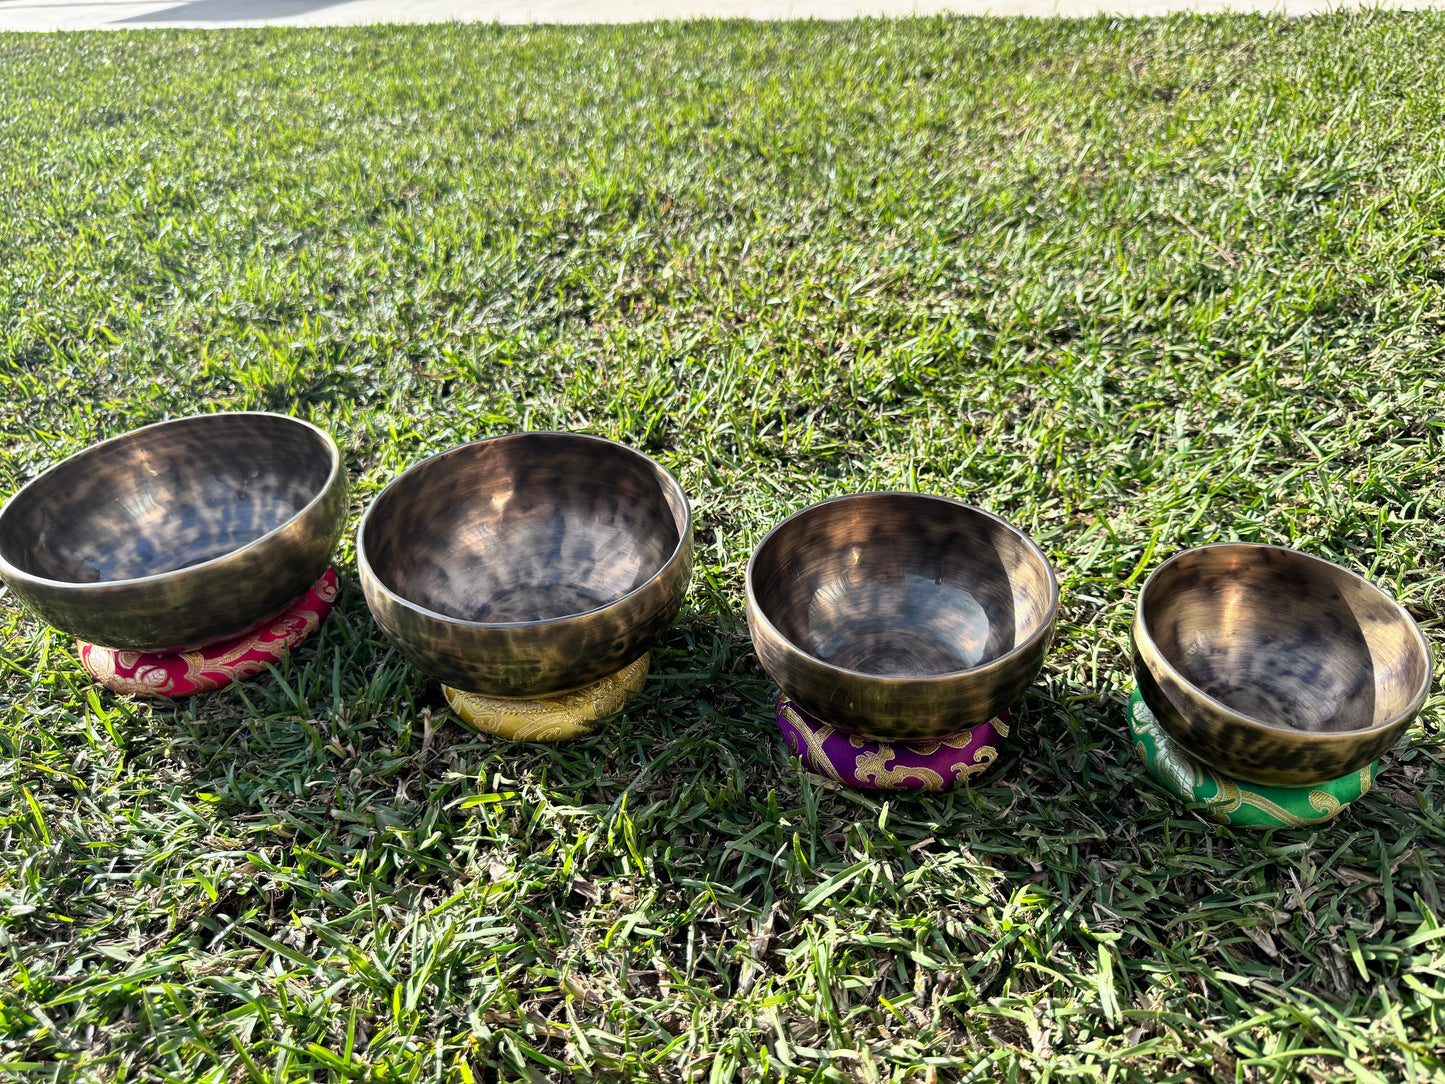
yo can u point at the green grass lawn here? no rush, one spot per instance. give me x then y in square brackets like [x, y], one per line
[1132, 285]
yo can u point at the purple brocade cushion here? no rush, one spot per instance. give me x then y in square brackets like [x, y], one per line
[855, 761]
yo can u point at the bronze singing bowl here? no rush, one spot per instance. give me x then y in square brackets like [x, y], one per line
[178, 534]
[527, 565]
[1274, 666]
[900, 616]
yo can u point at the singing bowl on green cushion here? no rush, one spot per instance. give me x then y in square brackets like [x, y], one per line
[1276, 667]
[900, 616]
[527, 565]
[1234, 801]
[179, 534]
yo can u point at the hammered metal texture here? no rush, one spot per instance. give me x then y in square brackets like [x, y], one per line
[179, 534]
[527, 565]
[900, 616]
[1274, 666]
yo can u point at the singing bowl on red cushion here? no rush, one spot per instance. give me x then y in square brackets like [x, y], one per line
[179, 534]
[206, 669]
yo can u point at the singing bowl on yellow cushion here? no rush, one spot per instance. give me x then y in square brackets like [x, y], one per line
[179, 534]
[527, 565]
[900, 616]
[1276, 667]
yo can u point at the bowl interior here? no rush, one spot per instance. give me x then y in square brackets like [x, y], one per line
[531, 527]
[901, 585]
[165, 497]
[1285, 639]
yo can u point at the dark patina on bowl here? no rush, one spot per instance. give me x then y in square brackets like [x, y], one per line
[527, 565]
[177, 534]
[1276, 667]
[900, 616]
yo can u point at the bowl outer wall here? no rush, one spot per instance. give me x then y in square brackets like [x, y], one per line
[901, 709]
[894, 709]
[530, 659]
[1241, 747]
[204, 603]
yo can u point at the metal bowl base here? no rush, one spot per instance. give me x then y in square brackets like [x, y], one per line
[188, 673]
[1235, 801]
[852, 760]
[551, 718]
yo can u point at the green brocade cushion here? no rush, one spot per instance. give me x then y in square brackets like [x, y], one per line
[1232, 801]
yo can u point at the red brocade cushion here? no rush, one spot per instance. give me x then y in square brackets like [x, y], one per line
[142, 673]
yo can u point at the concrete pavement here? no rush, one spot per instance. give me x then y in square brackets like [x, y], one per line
[122, 14]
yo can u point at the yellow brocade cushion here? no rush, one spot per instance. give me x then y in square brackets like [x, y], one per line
[552, 718]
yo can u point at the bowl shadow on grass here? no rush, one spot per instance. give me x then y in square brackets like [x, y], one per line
[345, 739]
[692, 770]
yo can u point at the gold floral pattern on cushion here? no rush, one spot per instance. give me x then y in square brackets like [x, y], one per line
[553, 718]
[142, 673]
[1233, 801]
[855, 761]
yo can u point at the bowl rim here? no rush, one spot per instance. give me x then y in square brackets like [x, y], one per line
[1027, 644]
[1141, 632]
[369, 573]
[9, 571]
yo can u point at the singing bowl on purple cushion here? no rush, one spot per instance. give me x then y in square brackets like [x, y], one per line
[900, 616]
[527, 565]
[178, 534]
[1276, 667]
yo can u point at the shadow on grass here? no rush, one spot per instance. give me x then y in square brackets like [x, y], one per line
[225, 11]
